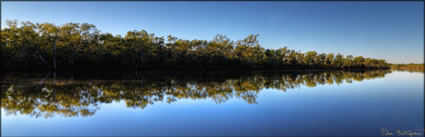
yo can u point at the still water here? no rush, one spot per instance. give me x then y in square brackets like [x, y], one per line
[320, 103]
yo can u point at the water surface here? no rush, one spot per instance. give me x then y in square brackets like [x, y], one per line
[321, 103]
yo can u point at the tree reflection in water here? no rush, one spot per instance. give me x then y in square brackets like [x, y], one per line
[79, 96]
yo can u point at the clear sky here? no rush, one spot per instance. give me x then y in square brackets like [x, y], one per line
[387, 30]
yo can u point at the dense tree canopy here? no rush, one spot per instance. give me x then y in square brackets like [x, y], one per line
[73, 46]
[408, 66]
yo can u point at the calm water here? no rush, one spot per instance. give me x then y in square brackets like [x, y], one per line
[333, 103]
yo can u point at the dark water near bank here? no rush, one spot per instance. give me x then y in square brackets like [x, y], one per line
[321, 103]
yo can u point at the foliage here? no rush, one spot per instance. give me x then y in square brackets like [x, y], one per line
[74, 46]
[408, 66]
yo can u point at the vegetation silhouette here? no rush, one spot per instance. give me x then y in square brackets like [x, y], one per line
[80, 95]
[82, 47]
[412, 67]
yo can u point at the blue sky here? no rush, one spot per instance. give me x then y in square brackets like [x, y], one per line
[387, 30]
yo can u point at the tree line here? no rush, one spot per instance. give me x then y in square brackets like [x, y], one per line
[408, 66]
[81, 97]
[73, 46]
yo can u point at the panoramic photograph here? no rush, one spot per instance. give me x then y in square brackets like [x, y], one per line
[212, 68]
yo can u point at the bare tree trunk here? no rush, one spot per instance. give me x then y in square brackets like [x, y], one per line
[54, 77]
[54, 56]
[141, 59]
[40, 57]
[45, 77]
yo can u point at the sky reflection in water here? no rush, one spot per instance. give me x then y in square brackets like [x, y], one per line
[260, 103]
